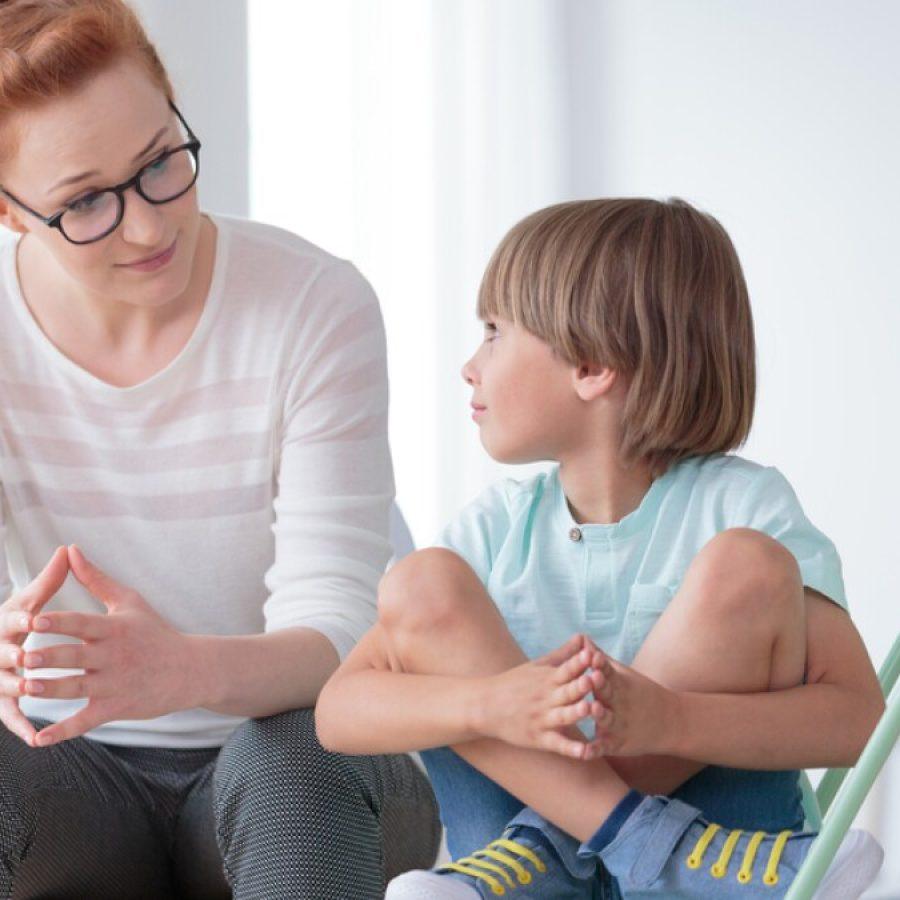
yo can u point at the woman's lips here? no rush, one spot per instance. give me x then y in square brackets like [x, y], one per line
[155, 262]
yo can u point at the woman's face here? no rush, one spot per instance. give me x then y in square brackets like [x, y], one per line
[117, 123]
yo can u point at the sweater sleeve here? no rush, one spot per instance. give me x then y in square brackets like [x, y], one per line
[335, 480]
[6, 586]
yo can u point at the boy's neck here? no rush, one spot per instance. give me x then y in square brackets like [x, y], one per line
[601, 490]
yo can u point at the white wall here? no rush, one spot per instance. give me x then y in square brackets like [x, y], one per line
[203, 44]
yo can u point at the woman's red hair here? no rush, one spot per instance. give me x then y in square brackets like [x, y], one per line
[49, 48]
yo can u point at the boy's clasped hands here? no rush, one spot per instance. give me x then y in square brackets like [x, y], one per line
[538, 704]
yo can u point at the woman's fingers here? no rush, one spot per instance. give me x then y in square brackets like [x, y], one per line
[14, 622]
[85, 626]
[16, 722]
[86, 719]
[60, 656]
[11, 656]
[11, 684]
[71, 687]
[31, 599]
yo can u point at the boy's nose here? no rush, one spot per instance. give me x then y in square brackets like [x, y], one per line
[469, 373]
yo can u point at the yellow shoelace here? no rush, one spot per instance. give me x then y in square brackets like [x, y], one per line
[719, 868]
[478, 865]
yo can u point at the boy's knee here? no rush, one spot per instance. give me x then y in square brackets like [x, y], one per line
[424, 589]
[745, 571]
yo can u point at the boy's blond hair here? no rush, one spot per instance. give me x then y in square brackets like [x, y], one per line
[652, 289]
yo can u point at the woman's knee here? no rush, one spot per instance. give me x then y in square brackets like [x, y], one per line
[742, 571]
[277, 756]
[426, 590]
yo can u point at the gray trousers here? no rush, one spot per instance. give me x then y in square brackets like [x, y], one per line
[270, 814]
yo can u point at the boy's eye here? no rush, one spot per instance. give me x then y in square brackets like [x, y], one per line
[490, 331]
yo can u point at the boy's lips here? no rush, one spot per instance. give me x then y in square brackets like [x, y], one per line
[477, 410]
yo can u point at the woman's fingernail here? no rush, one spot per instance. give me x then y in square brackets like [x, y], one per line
[35, 687]
[33, 660]
[41, 622]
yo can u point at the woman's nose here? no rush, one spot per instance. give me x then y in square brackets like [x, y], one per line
[142, 222]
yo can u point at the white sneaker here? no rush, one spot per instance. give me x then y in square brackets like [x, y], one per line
[853, 869]
[423, 885]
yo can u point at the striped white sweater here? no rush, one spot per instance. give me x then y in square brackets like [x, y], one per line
[244, 488]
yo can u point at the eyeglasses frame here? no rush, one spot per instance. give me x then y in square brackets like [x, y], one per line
[54, 221]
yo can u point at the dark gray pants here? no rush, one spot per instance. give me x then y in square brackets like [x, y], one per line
[269, 815]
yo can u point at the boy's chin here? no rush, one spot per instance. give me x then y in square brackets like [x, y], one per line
[510, 455]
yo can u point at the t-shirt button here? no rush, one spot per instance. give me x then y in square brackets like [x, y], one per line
[574, 534]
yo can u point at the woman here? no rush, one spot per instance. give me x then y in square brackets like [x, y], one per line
[195, 488]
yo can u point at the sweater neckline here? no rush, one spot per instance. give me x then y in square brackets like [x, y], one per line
[211, 305]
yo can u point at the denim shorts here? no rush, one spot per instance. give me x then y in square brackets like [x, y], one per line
[474, 810]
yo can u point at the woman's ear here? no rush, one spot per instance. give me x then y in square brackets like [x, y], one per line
[592, 380]
[10, 219]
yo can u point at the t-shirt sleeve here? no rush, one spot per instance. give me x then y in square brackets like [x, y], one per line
[477, 532]
[335, 480]
[771, 506]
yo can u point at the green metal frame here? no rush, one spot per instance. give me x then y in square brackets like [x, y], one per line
[832, 808]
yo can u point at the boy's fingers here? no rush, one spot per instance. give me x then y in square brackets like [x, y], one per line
[572, 691]
[569, 715]
[562, 653]
[602, 715]
[601, 686]
[564, 746]
[572, 668]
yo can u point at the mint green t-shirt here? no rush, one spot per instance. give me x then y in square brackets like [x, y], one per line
[552, 577]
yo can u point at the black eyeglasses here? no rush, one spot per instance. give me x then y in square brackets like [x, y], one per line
[95, 215]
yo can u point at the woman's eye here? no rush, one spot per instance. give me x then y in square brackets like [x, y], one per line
[84, 204]
[158, 164]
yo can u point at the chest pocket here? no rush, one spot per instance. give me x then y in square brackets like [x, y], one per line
[646, 603]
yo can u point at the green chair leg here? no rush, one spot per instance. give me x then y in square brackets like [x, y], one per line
[843, 810]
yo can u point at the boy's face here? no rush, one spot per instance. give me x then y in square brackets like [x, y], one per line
[523, 398]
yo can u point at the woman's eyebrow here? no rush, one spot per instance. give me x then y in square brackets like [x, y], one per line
[74, 178]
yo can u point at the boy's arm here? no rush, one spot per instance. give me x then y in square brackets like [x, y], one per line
[821, 724]
[366, 707]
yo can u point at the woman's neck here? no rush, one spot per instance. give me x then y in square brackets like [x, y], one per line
[115, 341]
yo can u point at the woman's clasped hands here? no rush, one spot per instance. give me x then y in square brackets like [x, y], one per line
[538, 704]
[134, 664]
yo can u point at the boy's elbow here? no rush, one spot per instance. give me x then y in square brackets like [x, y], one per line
[870, 713]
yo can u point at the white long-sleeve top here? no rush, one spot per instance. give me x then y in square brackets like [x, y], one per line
[245, 488]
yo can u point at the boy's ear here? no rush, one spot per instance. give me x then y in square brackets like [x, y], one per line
[592, 380]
